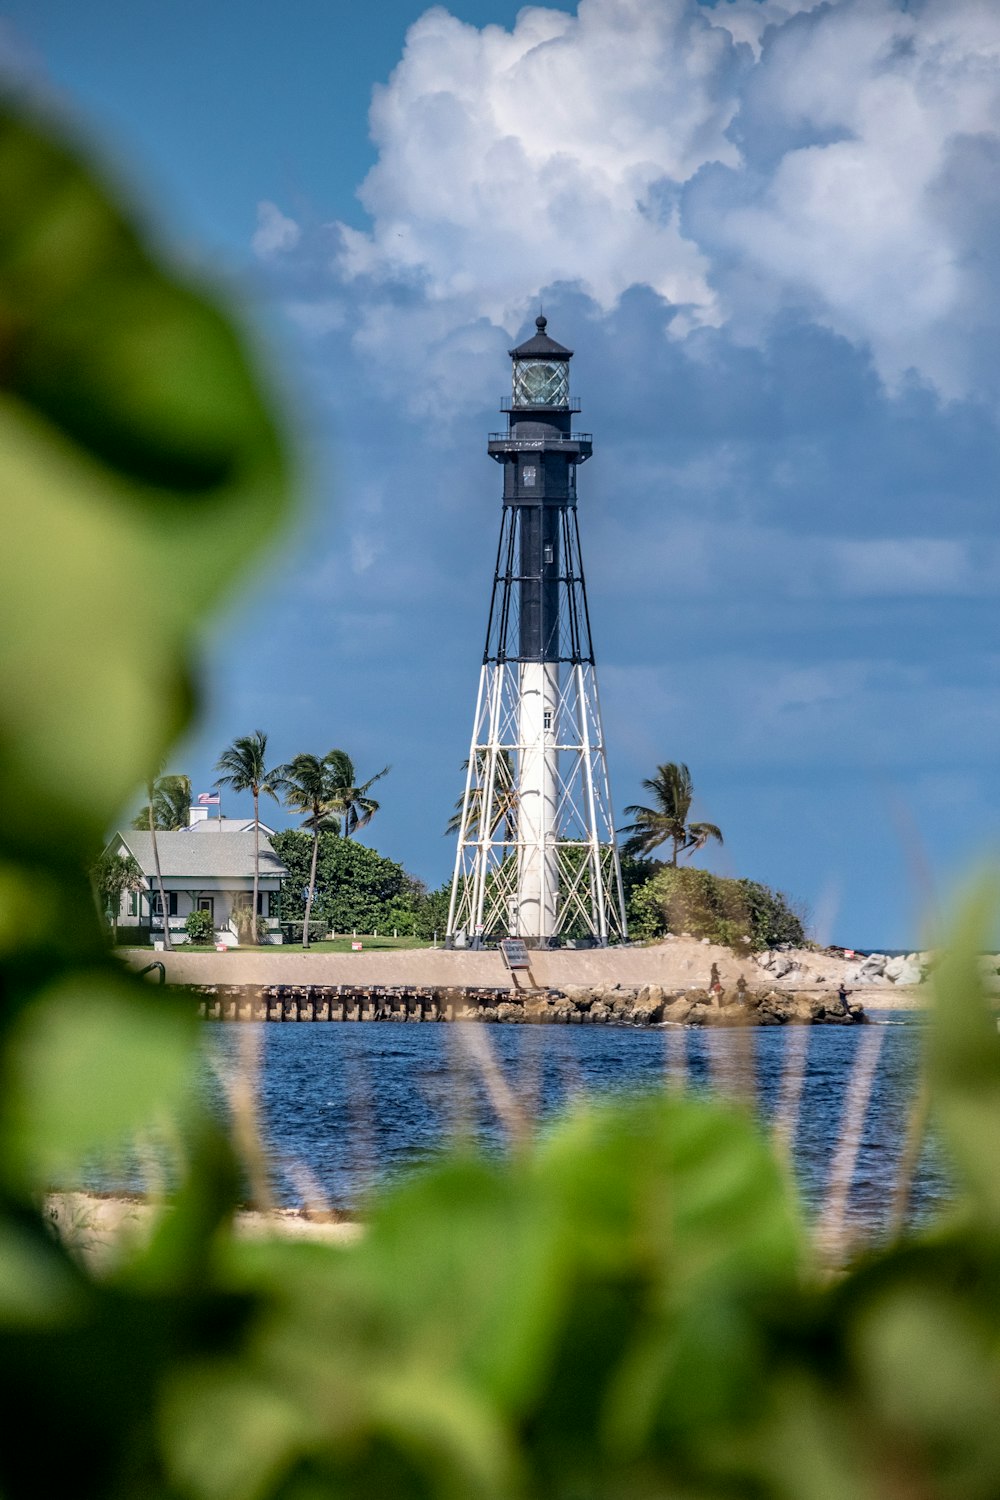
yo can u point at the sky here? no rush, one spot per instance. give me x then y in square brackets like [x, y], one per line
[771, 233]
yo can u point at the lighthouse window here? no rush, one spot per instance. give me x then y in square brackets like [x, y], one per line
[549, 553]
[529, 476]
[541, 382]
[547, 719]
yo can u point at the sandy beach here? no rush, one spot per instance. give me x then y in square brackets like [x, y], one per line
[676, 963]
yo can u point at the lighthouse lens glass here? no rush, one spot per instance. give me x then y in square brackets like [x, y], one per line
[540, 383]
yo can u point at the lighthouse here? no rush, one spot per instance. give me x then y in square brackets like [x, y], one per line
[536, 856]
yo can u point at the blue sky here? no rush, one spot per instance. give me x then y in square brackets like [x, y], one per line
[770, 232]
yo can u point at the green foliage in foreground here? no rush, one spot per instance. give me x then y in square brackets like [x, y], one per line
[627, 1308]
[706, 905]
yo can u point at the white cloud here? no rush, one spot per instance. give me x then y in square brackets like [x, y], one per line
[586, 150]
[853, 221]
[275, 233]
[512, 160]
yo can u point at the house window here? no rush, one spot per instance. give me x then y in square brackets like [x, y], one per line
[262, 910]
[207, 903]
[171, 904]
[133, 903]
[528, 476]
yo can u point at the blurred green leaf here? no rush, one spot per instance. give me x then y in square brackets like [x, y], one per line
[684, 1188]
[89, 1065]
[261, 1432]
[963, 1053]
[37, 1285]
[141, 468]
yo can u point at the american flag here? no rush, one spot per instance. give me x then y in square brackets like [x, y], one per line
[209, 799]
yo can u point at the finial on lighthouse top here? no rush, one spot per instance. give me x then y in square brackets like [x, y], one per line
[541, 369]
[540, 346]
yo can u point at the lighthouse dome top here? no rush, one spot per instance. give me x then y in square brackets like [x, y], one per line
[540, 346]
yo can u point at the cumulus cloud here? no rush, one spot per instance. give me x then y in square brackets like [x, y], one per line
[275, 233]
[839, 159]
[512, 160]
[861, 125]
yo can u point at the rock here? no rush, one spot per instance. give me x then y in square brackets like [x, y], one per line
[874, 964]
[647, 1008]
[705, 943]
[730, 1014]
[509, 1010]
[700, 1014]
[904, 970]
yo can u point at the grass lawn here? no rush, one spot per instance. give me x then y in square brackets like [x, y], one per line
[343, 945]
[335, 945]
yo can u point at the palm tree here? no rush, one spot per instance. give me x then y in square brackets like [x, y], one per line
[344, 797]
[504, 798]
[244, 766]
[113, 875]
[169, 805]
[168, 808]
[673, 792]
[305, 784]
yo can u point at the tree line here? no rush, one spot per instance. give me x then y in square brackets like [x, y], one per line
[343, 886]
[325, 790]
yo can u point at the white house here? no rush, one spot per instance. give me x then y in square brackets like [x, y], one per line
[210, 874]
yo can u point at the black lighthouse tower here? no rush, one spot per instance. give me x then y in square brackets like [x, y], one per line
[536, 852]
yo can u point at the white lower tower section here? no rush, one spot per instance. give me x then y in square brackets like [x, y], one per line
[537, 910]
[536, 853]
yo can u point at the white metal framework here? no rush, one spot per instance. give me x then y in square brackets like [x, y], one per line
[536, 853]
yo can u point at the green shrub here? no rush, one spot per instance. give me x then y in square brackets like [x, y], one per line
[200, 927]
[249, 929]
[740, 914]
[292, 931]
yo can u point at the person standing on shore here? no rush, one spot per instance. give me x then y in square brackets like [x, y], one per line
[842, 995]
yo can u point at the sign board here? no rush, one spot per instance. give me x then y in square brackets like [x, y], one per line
[356, 947]
[515, 954]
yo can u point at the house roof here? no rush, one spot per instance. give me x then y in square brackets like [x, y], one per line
[182, 857]
[225, 825]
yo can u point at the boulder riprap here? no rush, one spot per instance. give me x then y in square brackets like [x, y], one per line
[653, 1005]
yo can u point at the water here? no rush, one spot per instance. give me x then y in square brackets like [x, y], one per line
[357, 1105]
